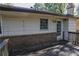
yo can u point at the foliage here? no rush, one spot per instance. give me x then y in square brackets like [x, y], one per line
[39, 6]
[53, 7]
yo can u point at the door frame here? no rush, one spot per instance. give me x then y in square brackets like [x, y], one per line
[60, 37]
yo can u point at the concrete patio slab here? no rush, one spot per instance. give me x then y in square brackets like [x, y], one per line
[58, 50]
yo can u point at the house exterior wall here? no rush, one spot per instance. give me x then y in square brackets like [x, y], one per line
[32, 42]
[72, 25]
[65, 29]
[24, 26]
[77, 24]
[69, 26]
[72, 28]
[77, 30]
[25, 34]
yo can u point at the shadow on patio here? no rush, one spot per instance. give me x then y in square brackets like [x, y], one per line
[58, 50]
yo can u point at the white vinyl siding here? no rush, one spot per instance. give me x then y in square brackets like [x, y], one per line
[22, 26]
[12, 27]
[72, 25]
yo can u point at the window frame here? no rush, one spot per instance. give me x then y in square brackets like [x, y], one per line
[43, 26]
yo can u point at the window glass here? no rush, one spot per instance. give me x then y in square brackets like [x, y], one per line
[43, 23]
[58, 27]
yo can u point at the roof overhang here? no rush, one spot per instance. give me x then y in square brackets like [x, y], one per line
[6, 10]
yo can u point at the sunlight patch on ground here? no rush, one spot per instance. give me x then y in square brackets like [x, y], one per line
[58, 50]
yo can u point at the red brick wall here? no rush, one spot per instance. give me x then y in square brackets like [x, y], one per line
[30, 42]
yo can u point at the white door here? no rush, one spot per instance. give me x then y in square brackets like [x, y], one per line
[59, 30]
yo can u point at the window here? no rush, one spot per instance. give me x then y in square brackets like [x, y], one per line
[43, 23]
[58, 27]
